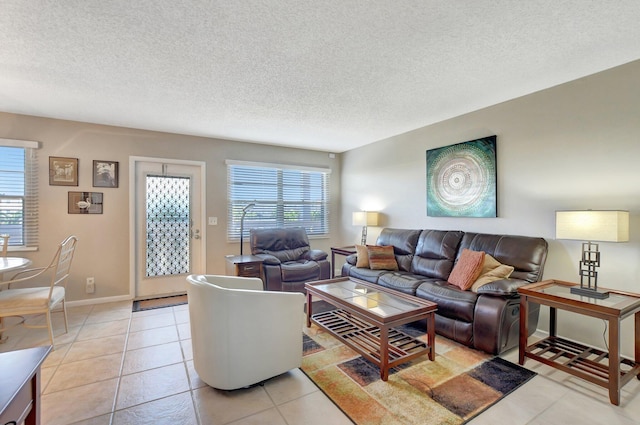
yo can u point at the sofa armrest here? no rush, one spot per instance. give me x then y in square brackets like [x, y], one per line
[352, 259]
[316, 255]
[269, 259]
[502, 287]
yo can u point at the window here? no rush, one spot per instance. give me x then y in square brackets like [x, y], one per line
[19, 192]
[284, 196]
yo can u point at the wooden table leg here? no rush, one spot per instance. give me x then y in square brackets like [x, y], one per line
[553, 321]
[384, 353]
[614, 361]
[308, 309]
[524, 329]
[431, 335]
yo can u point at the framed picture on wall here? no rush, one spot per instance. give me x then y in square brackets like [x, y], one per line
[461, 179]
[85, 203]
[63, 171]
[105, 173]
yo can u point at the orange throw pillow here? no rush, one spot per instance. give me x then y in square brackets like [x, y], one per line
[467, 269]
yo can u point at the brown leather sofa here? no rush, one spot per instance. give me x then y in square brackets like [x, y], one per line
[289, 261]
[488, 319]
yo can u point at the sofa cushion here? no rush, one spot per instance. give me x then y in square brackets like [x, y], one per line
[401, 281]
[297, 271]
[467, 269]
[503, 271]
[404, 245]
[362, 256]
[452, 302]
[366, 274]
[435, 253]
[382, 258]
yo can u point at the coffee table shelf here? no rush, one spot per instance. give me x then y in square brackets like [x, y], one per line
[365, 337]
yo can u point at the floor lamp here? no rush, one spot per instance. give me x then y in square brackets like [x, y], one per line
[245, 210]
[590, 225]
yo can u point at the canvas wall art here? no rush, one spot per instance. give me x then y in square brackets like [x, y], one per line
[461, 179]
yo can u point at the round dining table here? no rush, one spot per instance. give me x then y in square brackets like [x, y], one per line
[8, 264]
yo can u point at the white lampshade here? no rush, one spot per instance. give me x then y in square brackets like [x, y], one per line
[589, 225]
[365, 218]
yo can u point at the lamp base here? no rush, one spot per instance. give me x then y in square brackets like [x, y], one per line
[588, 292]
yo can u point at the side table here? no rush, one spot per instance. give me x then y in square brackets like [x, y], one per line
[20, 385]
[343, 250]
[244, 266]
[607, 369]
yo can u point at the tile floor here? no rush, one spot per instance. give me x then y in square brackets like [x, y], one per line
[118, 367]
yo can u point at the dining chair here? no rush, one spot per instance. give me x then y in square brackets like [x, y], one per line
[45, 291]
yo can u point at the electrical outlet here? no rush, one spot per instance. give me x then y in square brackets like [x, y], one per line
[91, 285]
[213, 221]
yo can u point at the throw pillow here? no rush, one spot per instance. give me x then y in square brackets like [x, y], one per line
[490, 263]
[363, 256]
[503, 271]
[467, 269]
[382, 258]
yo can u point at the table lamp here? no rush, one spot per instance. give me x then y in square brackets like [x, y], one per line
[364, 219]
[590, 226]
[245, 210]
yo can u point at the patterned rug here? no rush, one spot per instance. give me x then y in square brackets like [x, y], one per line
[460, 384]
[161, 302]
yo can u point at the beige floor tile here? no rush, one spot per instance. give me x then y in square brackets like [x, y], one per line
[69, 375]
[152, 337]
[151, 357]
[177, 409]
[108, 315]
[313, 409]
[46, 373]
[98, 420]
[118, 305]
[79, 403]
[82, 350]
[141, 323]
[152, 385]
[270, 416]
[187, 349]
[578, 408]
[182, 316]
[194, 379]
[221, 407]
[289, 386]
[56, 356]
[101, 330]
[184, 330]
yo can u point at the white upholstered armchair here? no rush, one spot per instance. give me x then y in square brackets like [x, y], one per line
[242, 335]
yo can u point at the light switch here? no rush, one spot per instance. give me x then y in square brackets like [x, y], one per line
[213, 221]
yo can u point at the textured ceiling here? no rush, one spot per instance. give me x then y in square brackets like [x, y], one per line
[328, 75]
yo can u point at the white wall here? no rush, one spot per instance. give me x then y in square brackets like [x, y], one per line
[103, 247]
[574, 146]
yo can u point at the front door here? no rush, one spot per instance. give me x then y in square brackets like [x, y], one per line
[169, 242]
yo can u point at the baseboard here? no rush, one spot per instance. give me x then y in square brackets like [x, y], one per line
[102, 300]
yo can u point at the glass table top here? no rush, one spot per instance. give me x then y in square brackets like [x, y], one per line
[381, 303]
[615, 300]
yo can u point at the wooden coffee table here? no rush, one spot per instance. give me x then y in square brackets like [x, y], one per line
[366, 317]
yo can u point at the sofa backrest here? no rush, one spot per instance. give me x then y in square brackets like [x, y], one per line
[286, 244]
[526, 254]
[404, 243]
[435, 253]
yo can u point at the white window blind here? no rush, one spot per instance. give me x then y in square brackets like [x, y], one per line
[19, 192]
[284, 196]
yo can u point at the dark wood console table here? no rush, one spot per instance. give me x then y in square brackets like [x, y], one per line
[342, 250]
[20, 385]
[607, 369]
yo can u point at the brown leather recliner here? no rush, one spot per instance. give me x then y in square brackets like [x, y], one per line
[289, 261]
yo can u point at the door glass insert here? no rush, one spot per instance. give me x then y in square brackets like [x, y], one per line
[168, 225]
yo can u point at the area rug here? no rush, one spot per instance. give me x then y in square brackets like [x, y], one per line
[161, 302]
[459, 385]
